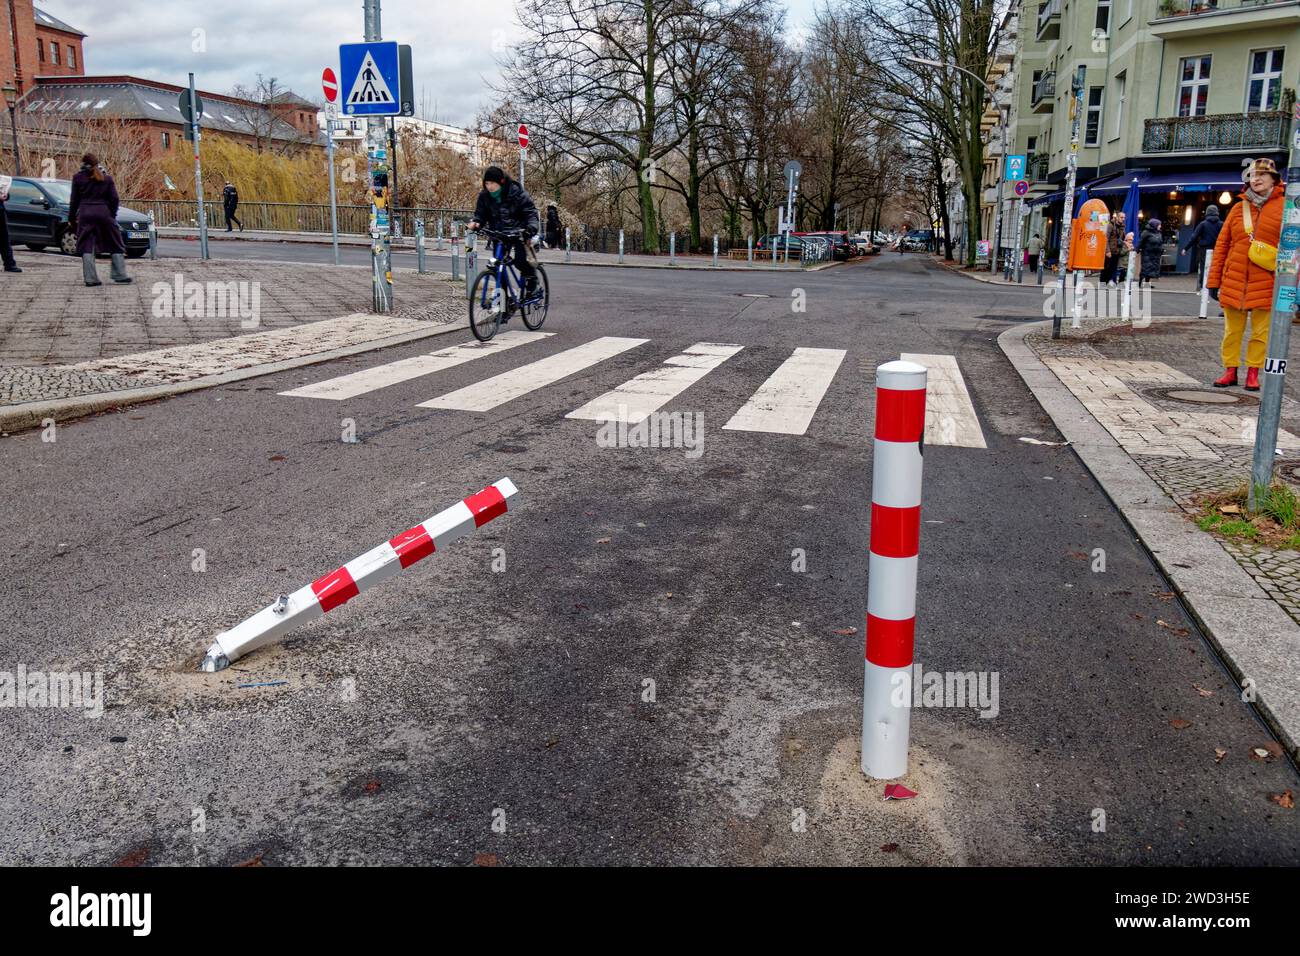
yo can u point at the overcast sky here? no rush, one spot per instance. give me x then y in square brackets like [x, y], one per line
[293, 40]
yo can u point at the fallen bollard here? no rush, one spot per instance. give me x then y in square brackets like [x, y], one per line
[340, 586]
[891, 568]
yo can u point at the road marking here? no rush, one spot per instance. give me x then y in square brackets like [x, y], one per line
[381, 376]
[950, 417]
[491, 392]
[786, 402]
[637, 398]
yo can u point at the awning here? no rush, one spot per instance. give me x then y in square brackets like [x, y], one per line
[1040, 200]
[1192, 181]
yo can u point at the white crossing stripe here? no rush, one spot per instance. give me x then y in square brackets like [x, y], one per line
[369, 379]
[491, 392]
[637, 398]
[950, 417]
[788, 400]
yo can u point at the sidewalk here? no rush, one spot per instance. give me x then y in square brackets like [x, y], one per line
[1137, 407]
[67, 350]
[546, 256]
[1166, 283]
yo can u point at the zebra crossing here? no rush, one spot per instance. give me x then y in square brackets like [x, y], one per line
[784, 404]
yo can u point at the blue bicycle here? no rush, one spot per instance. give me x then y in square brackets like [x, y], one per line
[498, 290]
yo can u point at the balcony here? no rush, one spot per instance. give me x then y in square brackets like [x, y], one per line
[1222, 132]
[1176, 18]
[1049, 20]
[1036, 169]
[1044, 93]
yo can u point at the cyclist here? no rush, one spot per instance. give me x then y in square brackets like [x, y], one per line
[503, 204]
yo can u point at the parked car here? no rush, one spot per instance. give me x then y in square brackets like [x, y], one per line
[918, 240]
[841, 247]
[37, 210]
[767, 242]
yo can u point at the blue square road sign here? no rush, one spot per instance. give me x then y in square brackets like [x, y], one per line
[370, 79]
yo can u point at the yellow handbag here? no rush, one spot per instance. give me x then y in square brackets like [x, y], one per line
[1261, 253]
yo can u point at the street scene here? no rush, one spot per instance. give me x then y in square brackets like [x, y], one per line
[698, 434]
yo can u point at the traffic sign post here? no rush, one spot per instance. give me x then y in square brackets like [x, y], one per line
[329, 84]
[371, 77]
[192, 109]
[371, 88]
[1015, 167]
[523, 150]
[791, 170]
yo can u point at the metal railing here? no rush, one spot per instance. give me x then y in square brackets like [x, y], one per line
[1222, 131]
[1047, 10]
[1168, 9]
[288, 217]
[1045, 88]
[1037, 168]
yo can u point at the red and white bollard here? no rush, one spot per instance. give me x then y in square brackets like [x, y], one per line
[891, 568]
[343, 584]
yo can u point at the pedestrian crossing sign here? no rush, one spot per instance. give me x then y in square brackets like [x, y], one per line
[369, 72]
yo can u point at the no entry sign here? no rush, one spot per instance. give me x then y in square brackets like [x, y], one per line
[329, 84]
[523, 136]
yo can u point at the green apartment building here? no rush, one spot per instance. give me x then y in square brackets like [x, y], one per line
[1177, 94]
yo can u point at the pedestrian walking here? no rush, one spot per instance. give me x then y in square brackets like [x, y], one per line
[1203, 238]
[554, 228]
[1114, 248]
[230, 202]
[92, 211]
[1151, 247]
[1034, 249]
[1242, 271]
[6, 250]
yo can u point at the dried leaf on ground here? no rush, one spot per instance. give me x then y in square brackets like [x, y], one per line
[1219, 754]
[1179, 724]
[1285, 799]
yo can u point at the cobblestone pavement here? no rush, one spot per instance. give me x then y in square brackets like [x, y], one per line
[60, 339]
[1124, 378]
[49, 317]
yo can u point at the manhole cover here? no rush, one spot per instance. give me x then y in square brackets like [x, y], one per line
[1208, 398]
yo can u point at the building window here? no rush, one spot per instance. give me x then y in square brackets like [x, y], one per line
[166, 140]
[1103, 17]
[1194, 85]
[72, 56]
[54, 53]
[1121, 91]
[1092, 131]
[40, 50]
[1264, 85]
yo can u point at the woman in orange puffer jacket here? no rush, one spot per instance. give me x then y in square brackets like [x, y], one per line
[1244, 288]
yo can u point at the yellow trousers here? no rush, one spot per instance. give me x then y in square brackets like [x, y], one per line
[1234, 327]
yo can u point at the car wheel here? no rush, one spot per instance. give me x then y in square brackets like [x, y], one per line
[68, 242]
[36, 246]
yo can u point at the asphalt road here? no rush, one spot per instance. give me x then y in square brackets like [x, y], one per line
[459, 710]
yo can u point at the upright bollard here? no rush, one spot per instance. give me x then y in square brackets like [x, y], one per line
[1126, 307]
[455, 260]
[715, 250]
[438, 241]
[471, 264]
[568, 245]
[749, 243]
[774, 251]
[153, 236]
[419, 246]
[672, 248]
[1075, 305]
[620, 247]
[1205, 292]
[891, 568]
[1042, 265]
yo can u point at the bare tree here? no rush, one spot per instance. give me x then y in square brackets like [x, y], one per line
[258, 115]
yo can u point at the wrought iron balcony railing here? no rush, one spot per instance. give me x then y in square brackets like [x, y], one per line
[1221, 131]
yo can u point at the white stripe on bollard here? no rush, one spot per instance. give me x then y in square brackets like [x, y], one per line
[360, 574]
[892, 567]
[1205, 291]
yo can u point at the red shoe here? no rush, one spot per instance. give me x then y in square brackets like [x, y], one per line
[1252, 380]
[1229, 377]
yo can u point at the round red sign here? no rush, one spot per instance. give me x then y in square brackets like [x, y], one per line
[329, 84]
[523, 136]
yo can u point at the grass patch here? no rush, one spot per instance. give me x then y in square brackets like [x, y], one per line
[1275, 521]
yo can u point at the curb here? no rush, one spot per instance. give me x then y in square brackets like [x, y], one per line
[31, 414]
[1253, 637]
[1034, 285]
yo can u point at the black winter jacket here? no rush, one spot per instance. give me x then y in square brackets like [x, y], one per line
[514, 211]
[1151, 246]
[1205, 235]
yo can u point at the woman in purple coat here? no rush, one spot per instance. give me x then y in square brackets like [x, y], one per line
[93, 213]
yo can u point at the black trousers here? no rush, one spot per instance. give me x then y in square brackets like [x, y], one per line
[519, 256]
[230, 217]
[6, 250]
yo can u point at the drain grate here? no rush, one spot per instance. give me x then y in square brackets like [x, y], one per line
[1177, 397]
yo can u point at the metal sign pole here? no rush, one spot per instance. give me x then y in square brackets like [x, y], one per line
[1019, 255]
[1071, 173]
[198, 172]
[377, 181]
[334, 201]
[1279, 329]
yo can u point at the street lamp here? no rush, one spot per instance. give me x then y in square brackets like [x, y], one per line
[1002, 161]
[11, 101]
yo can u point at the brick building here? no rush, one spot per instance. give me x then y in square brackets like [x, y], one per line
[39, 44]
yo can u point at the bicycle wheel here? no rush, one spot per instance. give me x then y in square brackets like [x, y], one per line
[487, 303]
[534, 308]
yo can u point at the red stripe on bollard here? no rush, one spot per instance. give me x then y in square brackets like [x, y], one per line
[895, 532]
[412, 545]
[334, 589]
[486, 505]
[889, 643]
[900, 414]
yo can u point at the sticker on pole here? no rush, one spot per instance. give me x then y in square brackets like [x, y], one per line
[1275, 366]
[370, 79]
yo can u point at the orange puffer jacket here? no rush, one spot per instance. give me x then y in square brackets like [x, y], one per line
[1242, 284]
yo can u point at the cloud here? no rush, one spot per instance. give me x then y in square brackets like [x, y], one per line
[293, 40]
